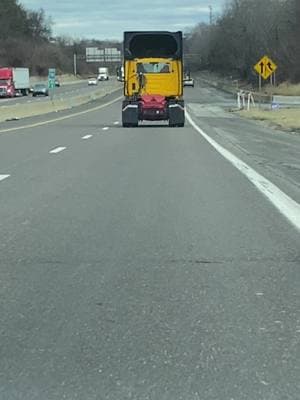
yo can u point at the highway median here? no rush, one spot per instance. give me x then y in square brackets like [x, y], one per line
[24, 110]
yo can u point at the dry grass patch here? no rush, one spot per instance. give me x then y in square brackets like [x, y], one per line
[285, 118]
[284, 89]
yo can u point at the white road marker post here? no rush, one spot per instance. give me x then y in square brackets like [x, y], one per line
[239, 100]
[244, 99]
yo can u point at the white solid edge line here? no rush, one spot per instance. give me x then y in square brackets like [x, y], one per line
[57, 150]
[86, 137]
[285, 204]
[2, 177]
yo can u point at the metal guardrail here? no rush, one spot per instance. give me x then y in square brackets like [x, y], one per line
[273, 101]
[248, 98]
[263, 98]
[286, 101]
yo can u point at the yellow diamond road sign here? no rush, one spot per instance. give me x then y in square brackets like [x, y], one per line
[265, 67]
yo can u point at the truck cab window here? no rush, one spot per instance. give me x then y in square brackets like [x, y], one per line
[153, 68]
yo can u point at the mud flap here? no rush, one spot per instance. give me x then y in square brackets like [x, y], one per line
[130, 113]
[176, 113]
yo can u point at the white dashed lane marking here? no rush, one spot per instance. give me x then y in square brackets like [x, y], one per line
[2, 177]
[57, 150]
[105, 128]
[86, 137]
[116, 123]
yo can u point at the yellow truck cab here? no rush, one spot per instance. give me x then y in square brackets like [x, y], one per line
[153, 78]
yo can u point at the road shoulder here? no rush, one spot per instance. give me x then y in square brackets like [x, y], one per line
[271, 152]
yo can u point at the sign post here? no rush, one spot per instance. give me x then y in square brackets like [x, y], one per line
[259, 91]
[51, 81]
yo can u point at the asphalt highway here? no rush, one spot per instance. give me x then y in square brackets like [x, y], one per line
[142, 264]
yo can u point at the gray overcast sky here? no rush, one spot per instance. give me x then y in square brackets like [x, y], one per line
[108, 19]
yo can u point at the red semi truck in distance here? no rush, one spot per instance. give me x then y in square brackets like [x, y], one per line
[14, 81]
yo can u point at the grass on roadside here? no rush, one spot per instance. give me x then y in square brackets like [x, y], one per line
[285, 118]
[284, 89]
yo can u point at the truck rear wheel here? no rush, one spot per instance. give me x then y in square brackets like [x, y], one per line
[176, 114]
[130, 114]
[172, 125]
[176, 125]
[125, 125]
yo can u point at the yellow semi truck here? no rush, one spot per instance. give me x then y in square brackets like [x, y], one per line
[153, 78]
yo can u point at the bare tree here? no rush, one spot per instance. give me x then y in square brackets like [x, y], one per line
[246, 31]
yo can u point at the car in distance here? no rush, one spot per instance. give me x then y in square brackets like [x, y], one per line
[188, 81]
[57, 83]
[40, 89]
[92, 81]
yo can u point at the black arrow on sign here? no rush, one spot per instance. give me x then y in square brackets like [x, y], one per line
[262, 65]
[270, 66]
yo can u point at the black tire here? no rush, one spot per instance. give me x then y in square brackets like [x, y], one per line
[130, 114]
[129, 125]
[176, 114]
[181, 125]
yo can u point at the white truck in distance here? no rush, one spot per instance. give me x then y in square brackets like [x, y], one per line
[103, 74]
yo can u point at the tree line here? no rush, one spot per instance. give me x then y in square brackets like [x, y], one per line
[231, 44]
[26, 41]
[247, 30]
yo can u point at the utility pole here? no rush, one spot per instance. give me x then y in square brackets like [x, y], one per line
[75, 64]
[210, 15]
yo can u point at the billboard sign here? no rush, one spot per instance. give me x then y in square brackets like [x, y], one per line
[94, 54]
